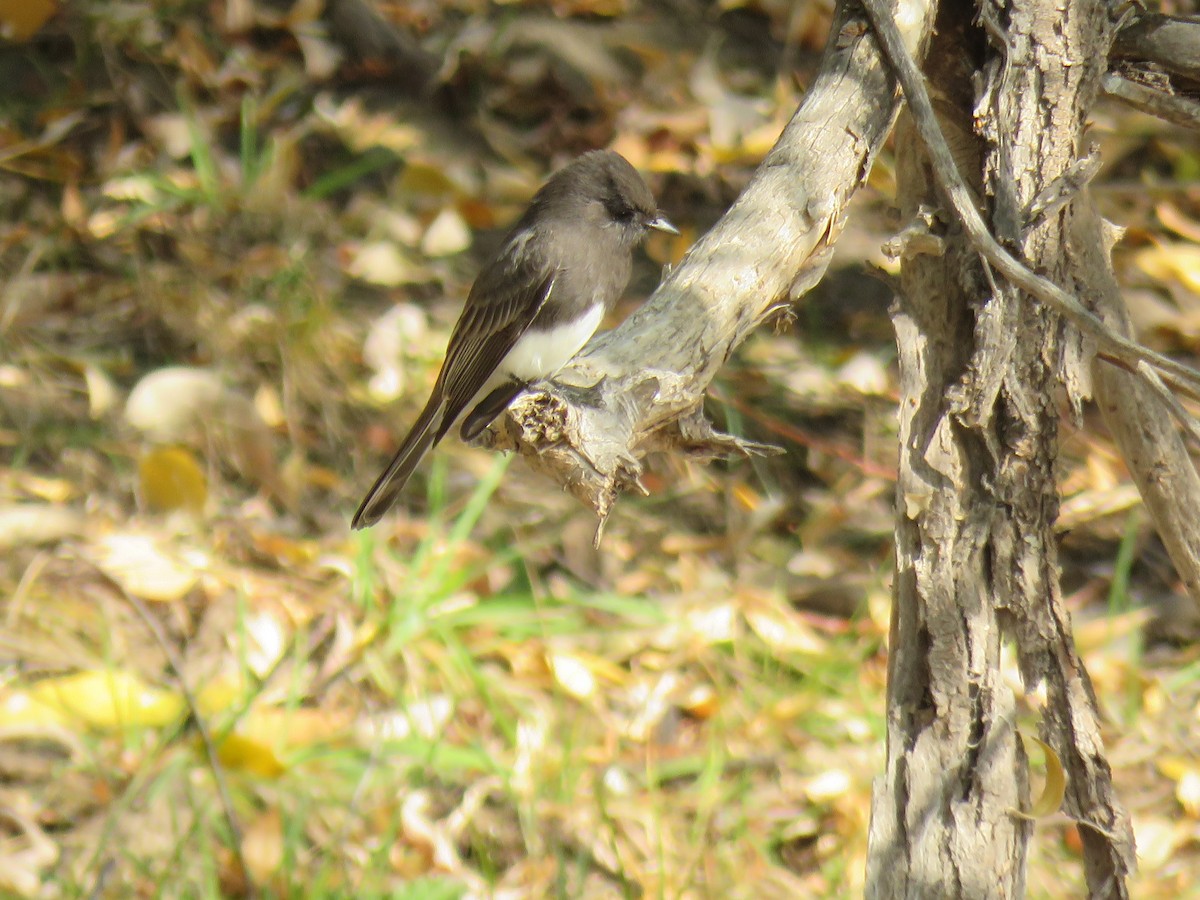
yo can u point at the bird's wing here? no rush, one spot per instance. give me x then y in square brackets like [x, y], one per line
[504, 301]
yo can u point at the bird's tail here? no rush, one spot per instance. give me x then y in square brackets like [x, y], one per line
[426, 432]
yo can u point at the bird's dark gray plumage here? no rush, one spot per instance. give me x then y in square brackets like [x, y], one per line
[534, 305]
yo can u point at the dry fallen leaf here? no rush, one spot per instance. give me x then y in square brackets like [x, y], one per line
[1050, 800]
[102, 393]
[716, 624]
[399, 333]
[1185, 772]
[25, 857]
[193, 407]
[169, 478]
[446, 235]
[267, 636]
[382, 263]
[22, 19]
[828, 786]
[572, 674]
[108, 699]
[1158, 839]
[1174, 219]
[426, 718]
[27, 524]
[144, 568]
[1187, 792]
[1174, 262]
[778, 626]
[173, 405]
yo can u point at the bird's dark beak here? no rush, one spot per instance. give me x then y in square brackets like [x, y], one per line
[662, 223]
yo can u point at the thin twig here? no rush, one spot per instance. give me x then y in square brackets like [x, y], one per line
[189, 699]
[962, 205]
[1173, 108]
[101, 882]
[1185, 418]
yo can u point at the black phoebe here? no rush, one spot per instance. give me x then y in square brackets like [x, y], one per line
[560, 269]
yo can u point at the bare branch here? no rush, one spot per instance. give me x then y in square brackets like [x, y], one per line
[1136, 411]
[639, 388]
[1171, 42]
[1172, 108]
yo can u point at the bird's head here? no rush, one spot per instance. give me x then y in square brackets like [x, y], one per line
[611, 192]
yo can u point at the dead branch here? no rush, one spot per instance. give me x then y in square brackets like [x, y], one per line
[1170, 42]
[1138, 413]
[640, 387]
[1161, 104]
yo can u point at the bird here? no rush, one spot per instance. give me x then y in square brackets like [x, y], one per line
[533, 306]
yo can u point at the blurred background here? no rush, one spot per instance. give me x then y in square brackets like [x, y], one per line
[234, 235]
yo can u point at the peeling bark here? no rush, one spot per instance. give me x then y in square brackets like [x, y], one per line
[984, 368]
[1046, 65]
[941, 816]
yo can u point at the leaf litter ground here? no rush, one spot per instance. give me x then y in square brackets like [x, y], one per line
[232, 253]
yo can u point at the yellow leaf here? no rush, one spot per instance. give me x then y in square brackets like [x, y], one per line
[701, 702]
[247, 754]
[22, 19]
[265, 734]
[747, 497]
[298, 727]
[108, 699]
[1051, 798]
[429, 180]
[1178, 262]
[778, 625]
[19, 709]
[220, 694]
[1174, 767]
[170, 478]
[191, 407]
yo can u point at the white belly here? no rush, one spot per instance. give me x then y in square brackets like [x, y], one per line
[539, 354]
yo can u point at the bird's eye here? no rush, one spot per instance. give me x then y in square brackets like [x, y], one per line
[620, 212]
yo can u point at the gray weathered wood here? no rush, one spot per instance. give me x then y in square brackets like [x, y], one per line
[976, 554]
[647, 378]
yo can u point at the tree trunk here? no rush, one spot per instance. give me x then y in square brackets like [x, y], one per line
[982, 370]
